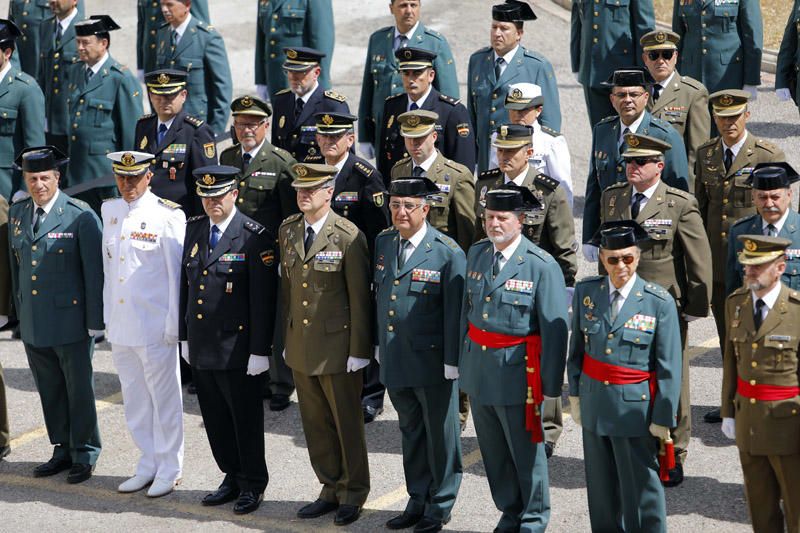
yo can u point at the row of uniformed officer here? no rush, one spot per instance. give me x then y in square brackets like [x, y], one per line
[149, 18]
[30, 16]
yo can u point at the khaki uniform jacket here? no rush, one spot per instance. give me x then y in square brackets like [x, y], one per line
[684, 104]
[676, 256]
[552, 227]
[453, 211]
[724, 197]
[768, 356]
[326, 296]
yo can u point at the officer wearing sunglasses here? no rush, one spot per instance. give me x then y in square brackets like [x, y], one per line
[680, 100]
[676, 257]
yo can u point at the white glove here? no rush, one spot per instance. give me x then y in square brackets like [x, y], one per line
[354, 364]
[140, 75]
[367, 150]
[551, 397]
[729, 428]
[784, 95]
[450, 372]
[575, 409]
[283, 354]
[257, 364]
[185, 351]
[169, 340]
[96, 332]
[3, 320]
[262, 92]
[690, 318]
[590, 252]
[659, 432]
[378, 354]
[577, 77]
[753, 90]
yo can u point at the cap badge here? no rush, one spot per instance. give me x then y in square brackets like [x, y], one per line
[726, 100]
[127, 159]
[327, 120]
[661, 37]
[163, 78]
[208, 179]
[246, 101]
[632, 140]
[516, 93]
[291, 54]
[750, 246]
[301, 172]
[503, 131]
[408, 54]
[413, 121]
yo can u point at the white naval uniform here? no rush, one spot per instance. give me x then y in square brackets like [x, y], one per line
[142, 247]
[550, 156]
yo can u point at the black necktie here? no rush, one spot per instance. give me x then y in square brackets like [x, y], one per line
[58, 35]
[38, 222]
[309, 238]
[401, 42]
[657, 88]
[298, 107]
[498, 67]
[728, 159]
[758, 316]
[246, 161]
[89, 74]
[772, 231]
[624, 144]
[413, 106]
[214, 239]
[417, 172]
[401, 255]
[636, 205]
[496, 265]
[173, 39]
[162, 131]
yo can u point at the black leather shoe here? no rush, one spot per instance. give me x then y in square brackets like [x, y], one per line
[279, 402]
[317, 509]
[223, 494]
[4, 451]
[248, 502]
[548, 449]
[675, 476]
[430, 525]
[79, 473]
[52, 467]
[712, 417]
[346, 514]
[191, 389]
[266, 392]
[403, 521]
[370, 413]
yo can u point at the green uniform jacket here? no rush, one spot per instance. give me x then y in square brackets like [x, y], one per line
[21, 124]
[754, 224]
[104, 113]
[644, 336]
[605, 37]
[382, 78]
[58, 67]
[768, 356]
[289, 23]
[720, 43]
[684, 104]
[28, 15]
[57, 276]
[148, 20]
[453, 211]
[418, 308]
[676, 256]
[552, 227]
[789, 55]
[725, 197]
[326, 296]
[526, 298]
[487, 95]
[201, 53]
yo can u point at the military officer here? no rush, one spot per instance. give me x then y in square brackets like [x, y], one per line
[680, 100]
[722, 187]
[295, 107]
[721, 44]
[179, 142]
[786, 79]
[624, 372]
[5, 310]
[28, 15]
[22, 117]
[491, 69]
[514, 326]
[142, 244]
[419, 284]
[772, 196]
[525, 104]
[228, 285]
[761, 384]
[675, 257]
[58, 57]
[148, 19]
[605, 37]
[453, 211]
[381, 74]
[104, 103]
[326, 300]
[286, 23]
[189, 44]
[57, 279]
[629, 95]
[455, 138]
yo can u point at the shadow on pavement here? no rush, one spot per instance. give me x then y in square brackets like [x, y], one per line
[710, 359]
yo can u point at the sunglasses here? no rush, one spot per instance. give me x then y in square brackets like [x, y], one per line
[642, 161]
[665, 54]
[627, 259]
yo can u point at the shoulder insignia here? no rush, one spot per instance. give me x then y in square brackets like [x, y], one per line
[547, 182]
[533, 55]
[533, 249]
[23, 77]
[283, 154]
[147, 116]
[433, 33]
[196, 218]
[551, 131]
[766, 145]
[617, 185]
[403, 161]
[491, 173]
[253, 226]
[740, 291]
[80, 204]
[693, 83]
[346, 225]
[163, 25]
[283, 91]
[196, 122]
[709, 143]
[392, 96]
[232, 148]
[292, 218]
[657, 290]
[677, 192]
[610, 118]
[481, 243]
[457, 166]
[743, 221]
[169, 203]
[387, 230]
[447, 241]
[794, 295]
[335, 96]
[589, 279]
[202, 26]
[449, 99]
[363, 169]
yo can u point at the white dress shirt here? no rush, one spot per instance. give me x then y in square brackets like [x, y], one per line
[736, 147]
[624, 291]
[414, 241]
[506, 59]
[180, 30]
[47, 207]
[648, 193]
[508, 253]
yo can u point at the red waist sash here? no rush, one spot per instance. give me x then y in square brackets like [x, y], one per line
[533, 417]
[766, 393]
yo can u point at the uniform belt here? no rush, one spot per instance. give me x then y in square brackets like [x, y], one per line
[533, 417]
[766, 393]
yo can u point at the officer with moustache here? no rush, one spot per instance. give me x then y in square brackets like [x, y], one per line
[229, 283]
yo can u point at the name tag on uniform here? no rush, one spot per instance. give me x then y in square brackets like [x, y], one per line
[745, 170]
[173, 149]
[642, 323]
[650, 222]
[329, 257]
[475, 275]
[260, 173]
[444, 187]
[143, 237]
[431, 276]
[232, 258]
[347, 197]
[779, 338]
[60, 236]
[521, 286]
[793, 253]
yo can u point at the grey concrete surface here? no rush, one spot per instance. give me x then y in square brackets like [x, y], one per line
[711, 498]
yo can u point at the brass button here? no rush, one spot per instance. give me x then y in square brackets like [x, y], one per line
[393, 297]
[33, 247]
[200, 301]
[488, 298]
[33, 278]
[391, 312]
[33, 262]
[74, 302]
[390, 328]
[199, 316]
[241, 184]
[754, 364]
[752, 400]
[305, 267]
[34, 292]
[305, 321]
[605, 383]
[485, 315]
[608, 351]
[644, 396]
[752, 382]
[754, 345]
[305, 303]
[205, 272]
[122, 300]
[305, 285]
[637, 339]
[397, 282]
[610, 335]
[241, 328]
[202, 287]
[241, 200]
[483, 348]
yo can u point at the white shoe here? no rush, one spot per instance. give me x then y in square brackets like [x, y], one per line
[162, 487]
[136, 483]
